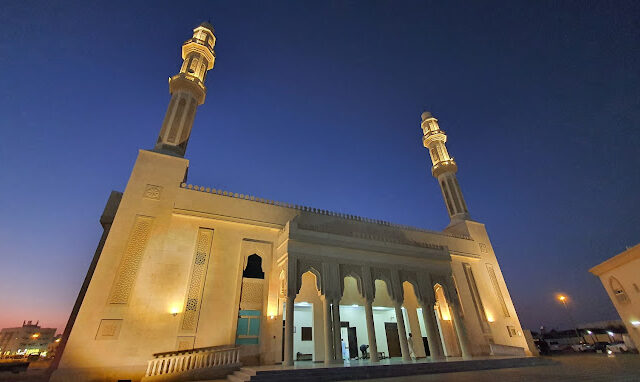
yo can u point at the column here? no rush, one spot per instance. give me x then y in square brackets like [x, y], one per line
[328, 333]
[416, 333]
[371, 331]
[288, 332]
[461, 330]
[336, 331]
[402, 332]
[433, 335]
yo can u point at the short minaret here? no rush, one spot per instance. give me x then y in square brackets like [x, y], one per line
[444, 168]
[187, 91]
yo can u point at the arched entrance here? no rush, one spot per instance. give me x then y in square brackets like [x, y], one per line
[308, 343]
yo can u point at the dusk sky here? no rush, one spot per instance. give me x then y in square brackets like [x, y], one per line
[318, 104]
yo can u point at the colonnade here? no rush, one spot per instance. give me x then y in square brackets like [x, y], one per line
[331, 316]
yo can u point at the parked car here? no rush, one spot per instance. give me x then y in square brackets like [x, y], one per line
[554, 346]
[542, 346]
[583, 347]
[618, 347]
[600, 347]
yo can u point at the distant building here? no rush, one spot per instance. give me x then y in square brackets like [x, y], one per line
[619, 276]
[27, 339]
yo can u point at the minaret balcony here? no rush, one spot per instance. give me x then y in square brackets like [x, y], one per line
[433, 136]
[444, 166]
[188, 83]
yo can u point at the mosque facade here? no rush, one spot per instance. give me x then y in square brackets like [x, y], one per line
[182, 267]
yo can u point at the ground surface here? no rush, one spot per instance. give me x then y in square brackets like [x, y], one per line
[583, 367]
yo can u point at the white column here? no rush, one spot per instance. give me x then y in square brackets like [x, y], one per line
[336, 330]
[371, 332]
[328, 333]
[461, 330]
[433, 335]
[402, 333]
[288, 332]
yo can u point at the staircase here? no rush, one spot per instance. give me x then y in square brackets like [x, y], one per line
[321, 374]
[193, 364]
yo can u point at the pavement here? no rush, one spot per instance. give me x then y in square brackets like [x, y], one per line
[578, 367]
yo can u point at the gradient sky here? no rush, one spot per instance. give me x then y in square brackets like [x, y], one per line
[319, 103]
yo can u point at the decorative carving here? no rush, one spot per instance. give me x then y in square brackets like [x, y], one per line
[483, 248]
[251, 298]
[108, 329]
[130, 263]
[152, 192]
[196, 283]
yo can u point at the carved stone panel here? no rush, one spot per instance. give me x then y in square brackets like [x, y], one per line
[130, 263]
[196, 282]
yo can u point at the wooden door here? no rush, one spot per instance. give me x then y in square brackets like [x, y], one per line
[353, 343]
[393, 339]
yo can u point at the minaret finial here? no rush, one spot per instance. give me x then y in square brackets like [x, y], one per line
[187, 91]
[444, 167]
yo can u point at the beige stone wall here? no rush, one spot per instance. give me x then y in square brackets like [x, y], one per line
[153, 250]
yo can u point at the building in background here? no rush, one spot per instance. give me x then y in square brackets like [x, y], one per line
[27, 339]
[187, 268]
[620, 277]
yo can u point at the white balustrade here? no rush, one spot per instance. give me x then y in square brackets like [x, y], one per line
[185, 360]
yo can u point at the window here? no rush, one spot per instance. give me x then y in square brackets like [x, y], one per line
[306, 333]
[618, 290]
[254, 268]
[513, 332]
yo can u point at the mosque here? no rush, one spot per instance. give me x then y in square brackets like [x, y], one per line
[187, 278]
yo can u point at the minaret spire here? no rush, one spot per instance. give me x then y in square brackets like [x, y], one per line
[187, 91]
[444, 168]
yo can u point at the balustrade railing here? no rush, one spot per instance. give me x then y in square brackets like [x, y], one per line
[184, 360]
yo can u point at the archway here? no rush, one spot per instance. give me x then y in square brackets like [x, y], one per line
[308, 338]
[445, 324]
[385, 322]
[353, 325]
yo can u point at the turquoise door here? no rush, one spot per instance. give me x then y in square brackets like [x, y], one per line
[248, 332]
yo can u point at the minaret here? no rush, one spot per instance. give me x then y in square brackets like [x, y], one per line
[187, 91]
[444, 168]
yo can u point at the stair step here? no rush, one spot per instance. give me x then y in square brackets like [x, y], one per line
[322, 374]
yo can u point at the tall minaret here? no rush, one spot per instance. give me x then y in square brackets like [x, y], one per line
[444, 168]
[187, 91]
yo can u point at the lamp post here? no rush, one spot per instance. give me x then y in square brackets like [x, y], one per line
[563, 300]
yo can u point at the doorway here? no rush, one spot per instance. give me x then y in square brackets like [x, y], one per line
[393, 339]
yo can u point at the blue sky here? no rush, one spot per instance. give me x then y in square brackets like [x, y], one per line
[319, 103]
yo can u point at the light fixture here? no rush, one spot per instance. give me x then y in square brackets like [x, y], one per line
[635, 323]
[174, 310]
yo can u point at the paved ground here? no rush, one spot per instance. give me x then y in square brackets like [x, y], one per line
[584, 367]
[587, 367]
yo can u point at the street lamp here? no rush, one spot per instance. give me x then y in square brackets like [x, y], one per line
[563, 300]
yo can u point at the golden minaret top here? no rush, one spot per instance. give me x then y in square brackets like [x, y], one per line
[187, 91]
[444, 167]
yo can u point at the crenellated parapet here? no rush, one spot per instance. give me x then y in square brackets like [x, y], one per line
[355, 218]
